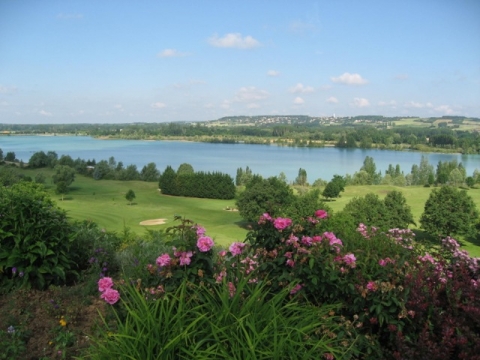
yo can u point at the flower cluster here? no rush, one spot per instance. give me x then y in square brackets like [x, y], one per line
[110, 295]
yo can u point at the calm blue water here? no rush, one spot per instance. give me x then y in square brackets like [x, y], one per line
[264, 160]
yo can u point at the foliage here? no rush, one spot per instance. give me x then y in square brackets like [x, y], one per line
[149, 172]
[334, 187]
[301, 179]
[264, 195]
[63, 178]
[130, 195]
[10, 156]
[198, 322]
[185, 168]
[391, 212]
[198, 184]
[449, 211]
[35, 238]
[12, 342]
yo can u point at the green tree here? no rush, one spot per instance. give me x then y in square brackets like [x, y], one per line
[449, 211]
[260, 196]
[149, 172]
[38, 160]
[1, 155]
[334, 187]
[130, 195]
[167, 181]
[185, 169]
[370, 168]
[10, 156]
[301, 179]
[399, 213]
[63, 178]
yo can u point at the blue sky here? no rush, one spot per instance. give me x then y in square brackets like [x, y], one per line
[161, 61]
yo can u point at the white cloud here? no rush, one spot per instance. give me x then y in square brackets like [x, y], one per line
[298, 101]
[157, 105]
[225, 104]
[387, 103]
[361, 102]
[118, 107]
[332, 100]
[251, 93]
[417, 105]
[300, 88]
[7, 89]
[273, 73]
[171, 53]
[253, 106]
[45, 113]
[445, 109]
[301, 27]
[69, 16]
[349, 79]
[234, 40]
[401, 77]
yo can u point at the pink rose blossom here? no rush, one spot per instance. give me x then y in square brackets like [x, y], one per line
[200, 230]
[264, 218]
[372, 286]
[296, 289]
[290, 263]
[185, 258]
[163, 260]
[307, 240]
[321, 214]
[105, 283]
[288, 254]
[350, 259]
[236, 248]
[204, 243]
[222, 253]
[110, 295]
[282, 223]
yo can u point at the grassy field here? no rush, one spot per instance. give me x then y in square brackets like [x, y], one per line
[104, 202]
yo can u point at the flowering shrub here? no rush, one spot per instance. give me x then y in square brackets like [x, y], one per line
[110, 295]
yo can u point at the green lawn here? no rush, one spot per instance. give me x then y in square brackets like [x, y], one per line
[104, 202]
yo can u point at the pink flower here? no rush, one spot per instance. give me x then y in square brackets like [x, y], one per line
[236, 248]
[290, 263]
[296, 289]
[231, 289]
[264, 218]
[288, 254]
[317, 239]
[350, 259]
[111, 296]
[307, 240]
[204, 243]
[185, 258]
[282, 223]
[321, 214]
[163, 260]
[200, 230]
[104, 284]
[372, 286]
[222, 253]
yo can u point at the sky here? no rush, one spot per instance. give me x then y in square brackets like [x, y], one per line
[86, 61]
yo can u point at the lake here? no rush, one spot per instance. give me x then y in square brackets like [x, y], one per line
[266, 160]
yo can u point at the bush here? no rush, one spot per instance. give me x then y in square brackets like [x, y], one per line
[35, 238]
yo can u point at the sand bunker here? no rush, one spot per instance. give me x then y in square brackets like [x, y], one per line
[153, 222]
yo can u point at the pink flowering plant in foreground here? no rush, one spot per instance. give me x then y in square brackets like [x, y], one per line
[385, 284]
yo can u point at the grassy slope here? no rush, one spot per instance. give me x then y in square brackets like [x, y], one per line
[104, 202]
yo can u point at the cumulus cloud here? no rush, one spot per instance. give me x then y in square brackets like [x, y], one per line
[445, 109]
[273, 73]
[417, 105]
[361, 102]
[234, 40]
[349, 79]
[401, 77]
[298, 101]
[253, 106]
[332, 100]
[45, 113]
[171, 53]
[250, 94]
[157, 105]
[300, 88]
[387, 103]
[7, 89]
